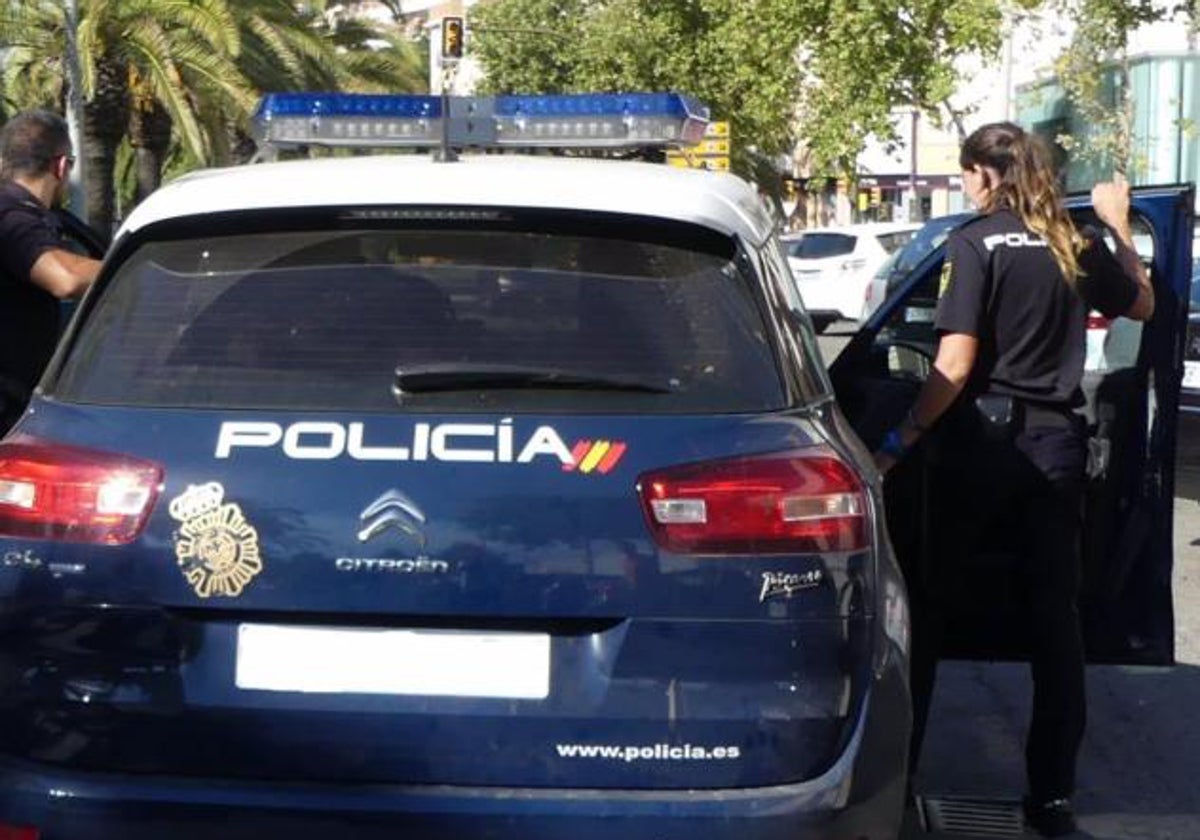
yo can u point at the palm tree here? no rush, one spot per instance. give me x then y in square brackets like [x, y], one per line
[180, 57]
[156, 57]
[289, 48]
[179, 78]
[312, 49]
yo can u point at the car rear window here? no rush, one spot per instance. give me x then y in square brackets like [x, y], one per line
[815, 246]
[322, 319]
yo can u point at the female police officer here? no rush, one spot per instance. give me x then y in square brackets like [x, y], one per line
[1016, 289]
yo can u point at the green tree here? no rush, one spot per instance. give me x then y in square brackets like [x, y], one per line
[1094, 73]
[825, 73]
[738, 56]
[149, 60]
[176, 80]
[867, 58]
[315, 47]
[529, 46]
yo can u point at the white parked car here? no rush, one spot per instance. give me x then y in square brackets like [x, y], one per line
[832, 266]
[904, 259]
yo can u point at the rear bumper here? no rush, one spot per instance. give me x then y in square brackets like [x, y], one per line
[861, 796]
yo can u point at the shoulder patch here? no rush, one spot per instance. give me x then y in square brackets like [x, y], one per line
[944, 279]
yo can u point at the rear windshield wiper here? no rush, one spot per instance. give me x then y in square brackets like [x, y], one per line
[422, 379]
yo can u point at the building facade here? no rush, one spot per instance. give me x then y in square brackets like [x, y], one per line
[1165, 145]
[1019, 85]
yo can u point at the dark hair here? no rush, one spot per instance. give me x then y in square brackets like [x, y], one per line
[1028, 186]
[30, 141]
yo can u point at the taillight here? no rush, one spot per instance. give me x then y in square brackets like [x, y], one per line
[56, 492]
[1096, 321]
[18, 832]
[800, 501]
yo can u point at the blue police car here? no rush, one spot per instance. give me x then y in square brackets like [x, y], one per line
[505, 497]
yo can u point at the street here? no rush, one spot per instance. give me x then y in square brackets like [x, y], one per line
[1141, 753]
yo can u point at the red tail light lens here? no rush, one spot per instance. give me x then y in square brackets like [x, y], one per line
[1096, 321]
[18, 832]
[55, 492]
[802, 501]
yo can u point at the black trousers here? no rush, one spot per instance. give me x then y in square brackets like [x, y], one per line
[1030, 489]
[13, 399]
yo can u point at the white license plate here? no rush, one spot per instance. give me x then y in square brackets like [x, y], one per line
[444, 663]
[1191, 374]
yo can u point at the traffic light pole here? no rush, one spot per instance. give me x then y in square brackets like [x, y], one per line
[446, 153]
[453, 43]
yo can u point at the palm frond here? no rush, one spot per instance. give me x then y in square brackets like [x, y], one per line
[149, 48]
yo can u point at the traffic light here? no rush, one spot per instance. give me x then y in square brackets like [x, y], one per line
[452, 38]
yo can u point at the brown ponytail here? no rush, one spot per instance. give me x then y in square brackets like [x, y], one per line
[1027, 187]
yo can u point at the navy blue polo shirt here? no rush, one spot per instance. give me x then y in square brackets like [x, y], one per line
[29, 315]
[1000, 283]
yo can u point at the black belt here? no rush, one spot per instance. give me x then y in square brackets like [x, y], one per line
[1007, 414]
[1047, 417]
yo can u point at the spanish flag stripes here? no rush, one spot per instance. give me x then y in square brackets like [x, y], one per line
[599, 456]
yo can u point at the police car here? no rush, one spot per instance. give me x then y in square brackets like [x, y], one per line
[503, 497]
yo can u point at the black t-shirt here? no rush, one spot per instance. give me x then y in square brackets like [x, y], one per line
[29, 315]
[1000, 283]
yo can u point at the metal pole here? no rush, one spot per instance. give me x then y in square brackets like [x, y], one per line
[446, 153]
[75, 109]
[914, 206]
[1009, 35]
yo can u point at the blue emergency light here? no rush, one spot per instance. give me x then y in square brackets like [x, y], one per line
[639, 119]
[604, 120]
[347, 119]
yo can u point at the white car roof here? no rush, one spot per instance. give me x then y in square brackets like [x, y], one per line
[718, 201]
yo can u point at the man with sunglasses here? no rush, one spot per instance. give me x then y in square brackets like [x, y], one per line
[37, 269]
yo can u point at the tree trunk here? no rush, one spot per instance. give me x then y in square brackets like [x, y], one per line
[1125, 162]
[150, 136]
[105, 118]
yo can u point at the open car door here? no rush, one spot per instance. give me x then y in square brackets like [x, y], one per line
[83, 239]
[1131, 383]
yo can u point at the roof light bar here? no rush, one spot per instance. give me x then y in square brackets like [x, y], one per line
[602, 120]
[581, 121]
[348, 119]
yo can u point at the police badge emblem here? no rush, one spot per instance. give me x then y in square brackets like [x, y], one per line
[216, 547]
[946, 276]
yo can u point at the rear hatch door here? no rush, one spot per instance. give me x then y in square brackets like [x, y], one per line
[392, 543]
